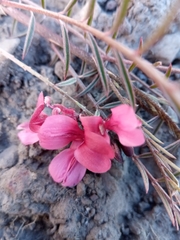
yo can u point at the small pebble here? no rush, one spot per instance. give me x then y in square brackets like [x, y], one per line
[81, 189]
[8, 157]
[111, 6]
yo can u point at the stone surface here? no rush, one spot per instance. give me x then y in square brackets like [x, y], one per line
[8, 157]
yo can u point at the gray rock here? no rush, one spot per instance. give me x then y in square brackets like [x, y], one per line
[8, 158]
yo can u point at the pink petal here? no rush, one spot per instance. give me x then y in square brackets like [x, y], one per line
[23, 125]
[64, 168]
[37, 119]
[124, 117]
[57, 131]
[95, 153]
[132, 138]
[26, 136]
[95, 124]
[66, 111]
[91, 123]
[40, 100]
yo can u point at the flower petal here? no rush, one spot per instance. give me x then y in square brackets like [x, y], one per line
[91, 123]
[26, 136]
[95, 124]
[38, 117]
[64, 168]
[124, 117]
[57, 131]
[23, 125]
[132, 138]
[40, 100]
[95, 153]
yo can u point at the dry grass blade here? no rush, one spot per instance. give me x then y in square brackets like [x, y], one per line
[29, 35]
[166, 160]
[126, 79]
[166, 203]
[173, 145]
[143, 173]
[152, 136]
[66, 48]
[161, 149]
[99, 64]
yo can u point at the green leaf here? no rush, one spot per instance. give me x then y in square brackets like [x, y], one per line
[14, 25]
[29, 35]
[66, 48]
[167, 75]
[88, 74]
[120, 15]
[89, 87]
[97, 113]
[89, 12]
[67, 82]
[99, 64]
[133, 65]
[105, 98]
[126, 78]
[168, 72]
[43, 4]
[111, 105]
[69, 7]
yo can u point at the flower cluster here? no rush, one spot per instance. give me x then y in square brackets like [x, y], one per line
[85, 139]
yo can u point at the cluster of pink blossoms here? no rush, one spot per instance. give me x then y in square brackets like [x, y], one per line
[87, 138]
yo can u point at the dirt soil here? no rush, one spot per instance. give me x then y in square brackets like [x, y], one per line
[109, 206]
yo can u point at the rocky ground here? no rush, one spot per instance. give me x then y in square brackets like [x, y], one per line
[109, 206]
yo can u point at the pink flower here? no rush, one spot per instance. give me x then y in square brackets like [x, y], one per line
[89, 150]
[29, 135]
[58, 131]
[65, 169]
[125, 124]
[38, 117]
